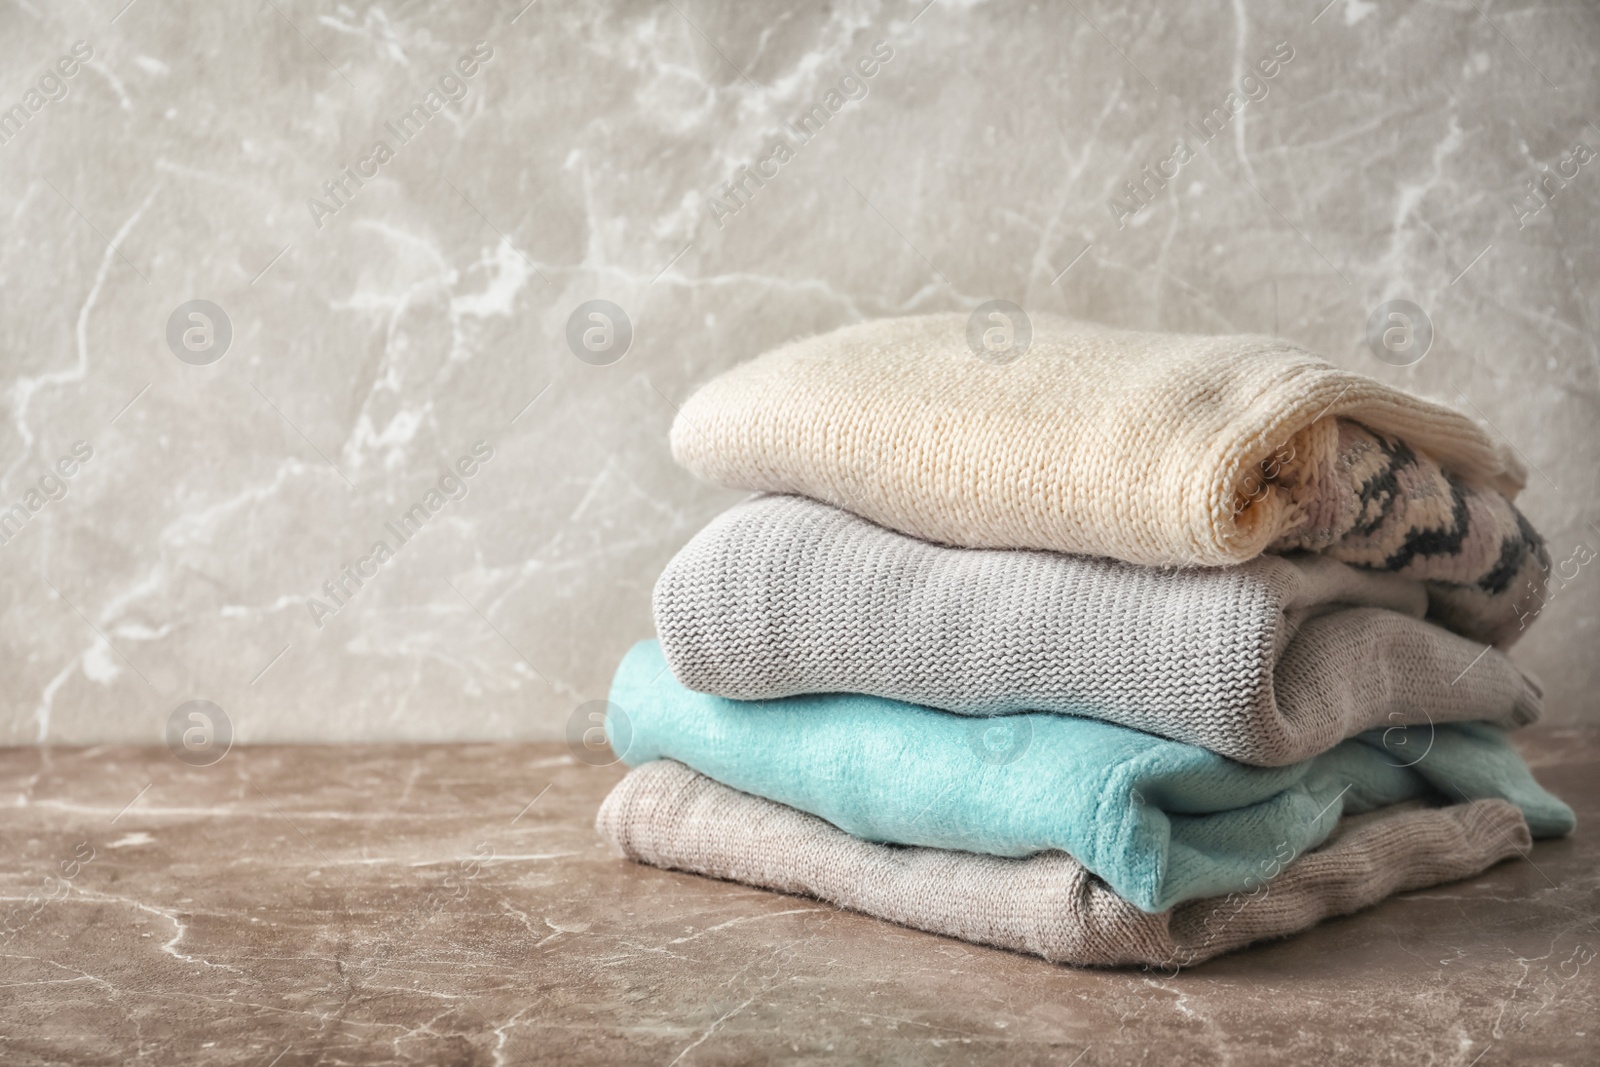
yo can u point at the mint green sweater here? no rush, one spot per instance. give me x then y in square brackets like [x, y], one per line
[1160, 821]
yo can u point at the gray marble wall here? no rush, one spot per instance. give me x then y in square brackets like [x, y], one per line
[367, 330]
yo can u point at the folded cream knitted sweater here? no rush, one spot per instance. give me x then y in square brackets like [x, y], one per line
[1269, 663]
[1048, 905]
[1156, 449]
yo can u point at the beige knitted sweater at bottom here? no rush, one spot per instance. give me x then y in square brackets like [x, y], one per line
[1048, 905]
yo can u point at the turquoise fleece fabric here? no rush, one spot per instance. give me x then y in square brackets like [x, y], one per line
[1160, 821]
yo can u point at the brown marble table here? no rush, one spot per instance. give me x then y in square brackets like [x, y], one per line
[452, 905]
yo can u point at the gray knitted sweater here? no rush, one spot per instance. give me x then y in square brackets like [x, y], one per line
[1270, 662]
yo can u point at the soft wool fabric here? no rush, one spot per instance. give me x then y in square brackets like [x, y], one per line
[1156, 449]
[1160, 821]
[1048, 905]
[1270, 662]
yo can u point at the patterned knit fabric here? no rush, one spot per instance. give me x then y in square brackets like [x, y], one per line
[1156, 449]
[1270, 662]
[1048, 905]
[1160, 821]
[1381, 506]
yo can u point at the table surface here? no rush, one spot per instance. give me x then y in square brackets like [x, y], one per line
[452, 904]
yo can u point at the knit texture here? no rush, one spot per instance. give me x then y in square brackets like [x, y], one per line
[1160, 821]
[1270, 662]
[1156, 449]
[1048, 905]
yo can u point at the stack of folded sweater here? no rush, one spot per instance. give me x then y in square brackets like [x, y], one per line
[1135, 650]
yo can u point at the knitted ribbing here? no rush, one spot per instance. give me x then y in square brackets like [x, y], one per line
[1156, 449]
[1269, 662]
[1048, 905]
